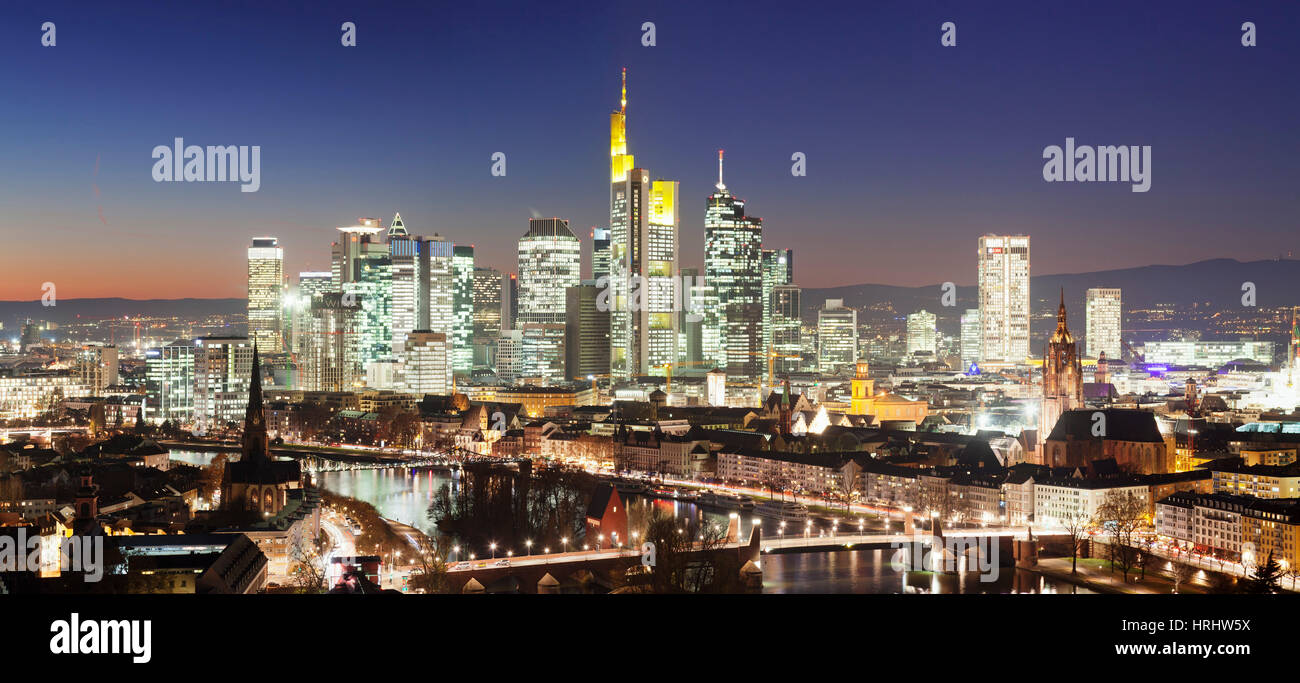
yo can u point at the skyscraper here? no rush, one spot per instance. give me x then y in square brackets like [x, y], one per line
[778, 269]
[428, 366]
[1004, 297]
[733, 272]
[487, 315]
[330, 351]
[222, 367]
[921, 332]
[265, 286]
[787, 343]
[643, 260]
[462, 357]
[404, 251]
[549, 263]
[437, 284]
[362, 269]
[1104, 317]
[586, 335]
[599, 253]
[97, 365]
[970, 338]
[170, 381]
[837, 336]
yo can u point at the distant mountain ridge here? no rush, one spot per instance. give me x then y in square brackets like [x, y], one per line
[1217, 282]
[13, 313]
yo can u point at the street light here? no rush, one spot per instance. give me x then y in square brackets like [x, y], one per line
[529, 544]
[493, 546]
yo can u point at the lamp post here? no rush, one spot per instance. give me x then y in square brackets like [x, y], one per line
[493, 548]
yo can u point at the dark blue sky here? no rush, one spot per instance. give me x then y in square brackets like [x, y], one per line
[913, 149]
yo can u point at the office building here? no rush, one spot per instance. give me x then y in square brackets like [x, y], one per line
[1004, 297]
[837, 336]
[586, 332]
[922, 332]
[462, 356]
[733, 271]
[549, 263]
[265, 288]
[1104, 317]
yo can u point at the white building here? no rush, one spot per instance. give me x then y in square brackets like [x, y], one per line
[1057, 502]
[265, 287]
[1004, 297]
[428, 363]
[921, 332]
[837, 336]
[1104, 318]
[222, 367]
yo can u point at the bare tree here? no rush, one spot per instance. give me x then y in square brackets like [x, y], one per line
[1122, 515]
[1076, 525]
[307, 565]
[1182, 573]
[430, 560]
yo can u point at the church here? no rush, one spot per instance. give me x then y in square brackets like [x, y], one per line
[258, 484]
[1062, 380]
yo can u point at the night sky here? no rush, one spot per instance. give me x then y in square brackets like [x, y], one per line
[913, 150]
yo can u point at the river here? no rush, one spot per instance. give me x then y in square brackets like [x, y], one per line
[404, 495]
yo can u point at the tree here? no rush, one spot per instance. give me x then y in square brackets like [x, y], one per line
[1264, 577]
[307, 565]
[690, 556]
[1122, 514]
[430, 575]
[1182, 573]
[1076, 525]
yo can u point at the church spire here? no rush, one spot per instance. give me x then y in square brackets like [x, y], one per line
[254, 444]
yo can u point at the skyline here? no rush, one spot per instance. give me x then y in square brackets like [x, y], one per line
[952, 150]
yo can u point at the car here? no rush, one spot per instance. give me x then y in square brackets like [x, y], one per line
[501, 563]
[460, 566]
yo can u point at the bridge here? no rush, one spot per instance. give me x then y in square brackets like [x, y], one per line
[525, 573]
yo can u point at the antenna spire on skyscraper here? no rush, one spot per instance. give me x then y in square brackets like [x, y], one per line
[720, 185]
[623, 102]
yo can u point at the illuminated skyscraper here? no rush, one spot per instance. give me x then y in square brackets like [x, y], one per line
[778, 269]
[921, 332]
[428, 367]
[170, 381]
[1004, 297]
[586, 336]
[362, 268]
[462, 356]
[599, 253]
[1104, 317]
[643, 261]
[265, 286]
[550, 259]
[787, 329]
[733, 273]
[404, 251]
[330, 350]
[437, 284]
[487, 315]
[837, 336]
[97, 365]
[222, 368]
[970, 338]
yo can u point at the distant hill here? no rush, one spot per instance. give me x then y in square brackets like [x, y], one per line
[1217, 281]
[13, 313]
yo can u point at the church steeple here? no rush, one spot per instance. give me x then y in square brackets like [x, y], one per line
[255, 446]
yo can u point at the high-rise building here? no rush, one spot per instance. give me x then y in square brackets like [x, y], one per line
[438, 287]
[586, 333]
[1103, 318]
[428, 366]
[921, 332]
[462, 356]
[362, 269]
[222, 367]
[298, 304]
[265, 287]
[970, 338]
[778, 269]
[542, 352]
[744, 335]
[1004, 297]
[787, 329]
[407, 306]
[599, 253]
[487, 315]
[169, 383]
[837, 336]
[97, 365]
[1062, 383]
[550, 260]
[733, 272]
[509, 359]
[690, 324]
[330, 355]
[643, 261]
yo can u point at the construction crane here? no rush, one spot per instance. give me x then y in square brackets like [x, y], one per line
[668, 371]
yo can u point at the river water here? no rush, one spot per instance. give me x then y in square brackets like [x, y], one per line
[404, 495]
